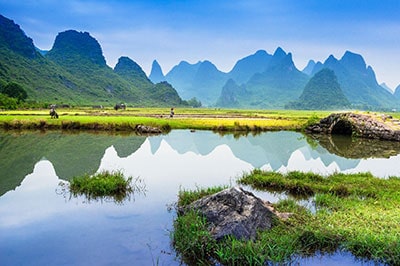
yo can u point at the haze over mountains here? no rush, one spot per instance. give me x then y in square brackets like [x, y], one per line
[263, 80]
[75, 72]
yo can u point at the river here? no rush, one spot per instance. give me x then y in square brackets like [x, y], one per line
[40, 224]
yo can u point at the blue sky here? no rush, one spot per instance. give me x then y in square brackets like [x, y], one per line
[222, 31]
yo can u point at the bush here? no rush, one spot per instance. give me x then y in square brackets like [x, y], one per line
[14, 90]
[7, 102]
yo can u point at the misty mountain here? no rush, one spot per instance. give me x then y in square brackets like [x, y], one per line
[201, 80]
[230, 93]
[358, 82]
[270, 81]
[322, 92]
[386, 87]
[397, 92]
[309, 67]
[262, 80]
[279, 83]
[156, 74]
[246, 67]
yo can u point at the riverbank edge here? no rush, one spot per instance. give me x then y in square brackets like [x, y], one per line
[217, 121]
[353, 212]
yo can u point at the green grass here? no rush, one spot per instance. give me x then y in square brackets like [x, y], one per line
[221, 120]
[358, 213]
[103, 185]
[186, 197]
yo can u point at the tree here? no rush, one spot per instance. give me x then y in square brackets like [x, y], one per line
[194, 102]
[7, 102]
[14, 90]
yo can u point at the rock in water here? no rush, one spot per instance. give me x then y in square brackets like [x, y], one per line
[234, 212]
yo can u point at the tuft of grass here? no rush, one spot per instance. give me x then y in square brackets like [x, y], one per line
[185, 197]
[192, 239]
[102, 185]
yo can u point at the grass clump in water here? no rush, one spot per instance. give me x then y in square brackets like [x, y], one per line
[102, 185]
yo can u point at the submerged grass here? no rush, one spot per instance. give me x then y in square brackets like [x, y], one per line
[358, 213]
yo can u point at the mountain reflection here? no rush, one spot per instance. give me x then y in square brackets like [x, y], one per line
[77, 154]
[71, 154]
[356, 148]
[272, 148]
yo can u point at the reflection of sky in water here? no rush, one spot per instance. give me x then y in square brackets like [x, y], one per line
[33, 200]
[38, 226]
[167, 170]
[378, 166]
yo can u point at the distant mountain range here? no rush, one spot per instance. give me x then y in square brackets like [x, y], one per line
[272, 81]
[75, 72]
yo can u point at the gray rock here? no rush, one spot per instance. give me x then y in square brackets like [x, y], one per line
[142, 129]
[234, 212]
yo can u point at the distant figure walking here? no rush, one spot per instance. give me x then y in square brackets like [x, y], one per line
[172, 113]
[53, 113]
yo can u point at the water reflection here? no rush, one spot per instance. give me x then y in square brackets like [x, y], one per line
[38, 226]
[36, 192]
[356, 148]
[71, 154]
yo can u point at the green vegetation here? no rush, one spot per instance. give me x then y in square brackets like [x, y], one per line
[14, 90]
[72, 154]
[219, 120]
[192, 239]
[12, 95]
[7, 102]
[102, 185]
[322, 92]
[186, 197]
[74, 72]
[353, 212]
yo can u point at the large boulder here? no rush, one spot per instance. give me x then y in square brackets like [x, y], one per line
[234, 212]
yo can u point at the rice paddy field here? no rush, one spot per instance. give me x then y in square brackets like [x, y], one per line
[189, 118]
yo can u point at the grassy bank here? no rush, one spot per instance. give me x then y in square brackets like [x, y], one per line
[220, 120]
[357, 213]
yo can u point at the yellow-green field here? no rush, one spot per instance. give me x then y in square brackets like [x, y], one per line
[201, 118]
[186, 118]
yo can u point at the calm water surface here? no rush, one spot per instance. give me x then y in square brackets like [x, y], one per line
[41, 225]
